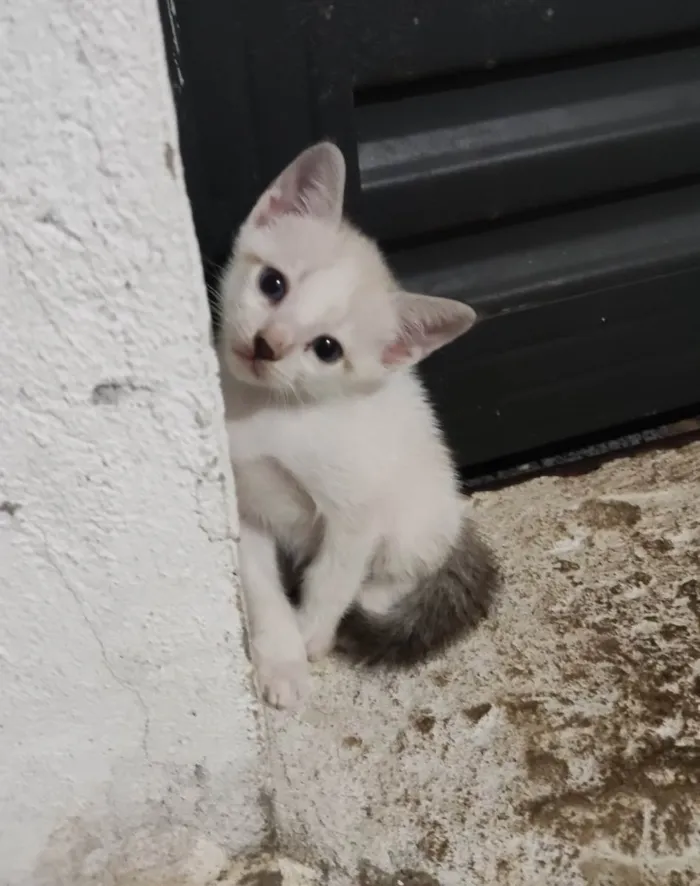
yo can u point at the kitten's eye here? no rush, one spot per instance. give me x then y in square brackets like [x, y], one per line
[327, 349]
[273, 284]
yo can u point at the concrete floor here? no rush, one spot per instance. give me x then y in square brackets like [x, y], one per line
[560, 744]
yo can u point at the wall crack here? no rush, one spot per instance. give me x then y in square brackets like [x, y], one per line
[82, 608]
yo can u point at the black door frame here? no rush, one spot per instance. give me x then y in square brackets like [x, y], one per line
[569, 214]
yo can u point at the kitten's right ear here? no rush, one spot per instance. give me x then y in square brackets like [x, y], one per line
[425, 323]
[311, 185]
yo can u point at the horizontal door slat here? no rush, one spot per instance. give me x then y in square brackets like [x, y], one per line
[434, 161]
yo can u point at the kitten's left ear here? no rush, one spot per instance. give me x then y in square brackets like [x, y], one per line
[311, 185]
[426, 323]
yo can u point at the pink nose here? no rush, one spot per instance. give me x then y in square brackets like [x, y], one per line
[270, 344]
[262, 349]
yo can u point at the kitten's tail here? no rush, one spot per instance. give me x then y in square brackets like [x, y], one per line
[439, 609]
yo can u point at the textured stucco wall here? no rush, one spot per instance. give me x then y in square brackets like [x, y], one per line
[129, 736]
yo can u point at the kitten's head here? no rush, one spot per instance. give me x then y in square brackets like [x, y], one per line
[308, 305]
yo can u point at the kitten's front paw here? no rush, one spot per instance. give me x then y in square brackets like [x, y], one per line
[284, 684]
[282, 669]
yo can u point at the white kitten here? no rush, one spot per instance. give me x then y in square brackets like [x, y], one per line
[338, 459]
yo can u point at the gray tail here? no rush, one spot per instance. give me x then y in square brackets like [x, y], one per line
[440, 609]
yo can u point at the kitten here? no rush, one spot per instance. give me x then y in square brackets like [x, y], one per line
[338, 459]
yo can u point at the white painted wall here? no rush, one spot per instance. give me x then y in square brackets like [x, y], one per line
[129, 736]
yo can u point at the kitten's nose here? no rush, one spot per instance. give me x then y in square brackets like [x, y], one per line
[262, 350]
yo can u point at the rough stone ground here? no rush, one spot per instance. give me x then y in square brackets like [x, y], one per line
[560, 744]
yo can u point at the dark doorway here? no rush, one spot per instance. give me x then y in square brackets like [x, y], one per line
[539, 159]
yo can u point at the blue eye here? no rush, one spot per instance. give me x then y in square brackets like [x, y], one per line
[273, 284]
[327, 349]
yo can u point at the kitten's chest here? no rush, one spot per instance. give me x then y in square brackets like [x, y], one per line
[331, 450]
[267, 493]
[294, 435]
[262, 444]
[265, 434]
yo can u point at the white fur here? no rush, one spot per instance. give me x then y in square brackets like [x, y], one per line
[349, 454]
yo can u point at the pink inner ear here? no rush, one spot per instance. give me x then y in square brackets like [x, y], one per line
[396, 352]
[273, 208]
[278, 205]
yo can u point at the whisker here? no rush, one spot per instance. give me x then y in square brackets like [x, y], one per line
[212, 265]
[215, 301]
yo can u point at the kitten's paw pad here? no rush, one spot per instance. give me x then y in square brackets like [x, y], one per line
[284, 684]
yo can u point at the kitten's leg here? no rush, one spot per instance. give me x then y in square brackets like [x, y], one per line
[331, 583]
[276, 645]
